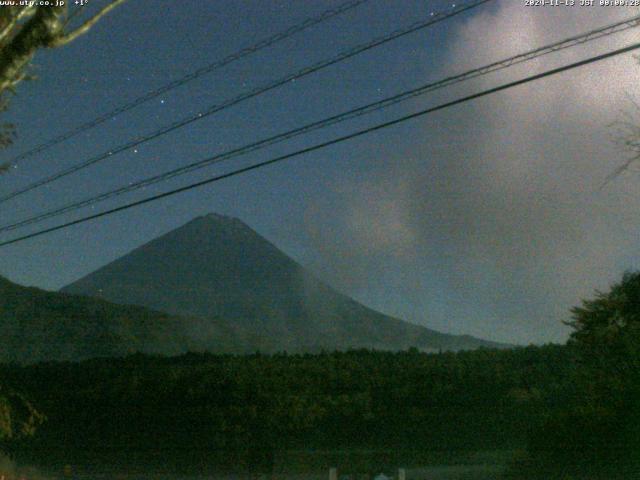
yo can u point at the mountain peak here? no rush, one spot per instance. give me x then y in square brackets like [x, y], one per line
[216, 266]
[217, 217]
[215, 220]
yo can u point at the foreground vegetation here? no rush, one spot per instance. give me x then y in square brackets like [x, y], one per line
[248, 410]
[595, 433]
[573, 410]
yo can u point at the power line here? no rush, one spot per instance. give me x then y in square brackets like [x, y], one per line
[262, 44]
[328, 143]
[434, 18]
[350, 114]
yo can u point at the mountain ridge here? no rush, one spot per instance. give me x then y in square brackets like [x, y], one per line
[36, 325]
[216, 266]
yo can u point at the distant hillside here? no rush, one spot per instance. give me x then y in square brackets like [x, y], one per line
[218, 267]
[36, 325]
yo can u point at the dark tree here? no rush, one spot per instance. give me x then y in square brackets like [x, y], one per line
[596, 433]
[25, 29]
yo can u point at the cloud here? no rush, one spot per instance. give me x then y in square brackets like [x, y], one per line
[503, 211]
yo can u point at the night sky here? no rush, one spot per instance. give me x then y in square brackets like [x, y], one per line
[483, 219]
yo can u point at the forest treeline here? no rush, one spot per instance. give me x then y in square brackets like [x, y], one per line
[247, 410]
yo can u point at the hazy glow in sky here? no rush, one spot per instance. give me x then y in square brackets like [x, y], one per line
[508, 214]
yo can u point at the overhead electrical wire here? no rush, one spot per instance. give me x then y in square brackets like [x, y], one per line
[334, 141]
[264, 43]
[434, 18]
[332, 120]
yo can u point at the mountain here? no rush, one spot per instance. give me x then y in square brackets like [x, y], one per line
[217, 267]
[36, 325]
